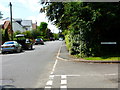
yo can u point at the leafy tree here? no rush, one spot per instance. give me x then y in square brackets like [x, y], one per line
[27, 34]
[87, 24]
[1, 15]
[5, 35]
[43, 28]
[35, 33]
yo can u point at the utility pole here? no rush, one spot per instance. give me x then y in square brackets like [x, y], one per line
[11, 19]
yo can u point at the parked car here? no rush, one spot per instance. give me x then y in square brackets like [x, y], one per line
[52, 39]
[39, 41]
[11, 46]
[25, 42]
[60, 39]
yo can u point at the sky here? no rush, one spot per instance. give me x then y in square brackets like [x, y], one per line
[26, 10]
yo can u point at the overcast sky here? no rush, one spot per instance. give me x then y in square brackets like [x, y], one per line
[25, 9]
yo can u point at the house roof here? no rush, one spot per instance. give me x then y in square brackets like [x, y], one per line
[26, 22]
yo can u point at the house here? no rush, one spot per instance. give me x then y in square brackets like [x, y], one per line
[8, 33]
[27, 24]
[7, 27]
[34, 26]
[17, 26]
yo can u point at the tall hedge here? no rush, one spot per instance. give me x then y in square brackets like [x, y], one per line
[88, 24]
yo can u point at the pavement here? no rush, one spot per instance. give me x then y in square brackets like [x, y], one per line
[65, 56]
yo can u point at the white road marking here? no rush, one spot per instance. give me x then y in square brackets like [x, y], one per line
[63, 76]
[63, 87]
[59, 51]
[112, 74]
[14, 54]
[63, 81]
[47, 87]
[50, 82]
[54, 66]
[75, 75]
[51, 77]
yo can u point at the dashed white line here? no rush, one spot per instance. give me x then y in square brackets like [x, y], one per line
[47, 88]
[51, 77]
[63, 87]
[63, 81]
[50, 82]
[54, 66]
[63, 76]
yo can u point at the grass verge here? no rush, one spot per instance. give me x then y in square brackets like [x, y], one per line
[103, 58]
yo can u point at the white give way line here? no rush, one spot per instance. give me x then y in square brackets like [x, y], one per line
[51, 77]
[63, 83]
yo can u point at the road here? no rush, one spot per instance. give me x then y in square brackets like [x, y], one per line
[39, 68]
[29, 69]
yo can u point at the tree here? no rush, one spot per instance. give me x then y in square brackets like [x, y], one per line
[5, 35]
[88, 24]
[35, 33]
[28, 34]
[43, 28]
[1, 15]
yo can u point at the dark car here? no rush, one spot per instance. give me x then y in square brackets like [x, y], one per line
[25, 42]
[39, 41]
[11, 46]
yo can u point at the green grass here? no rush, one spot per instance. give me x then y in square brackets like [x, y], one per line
[103, 58]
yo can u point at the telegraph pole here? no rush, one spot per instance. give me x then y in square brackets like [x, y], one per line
[11, 19]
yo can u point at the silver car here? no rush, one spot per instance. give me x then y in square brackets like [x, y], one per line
[11, 46]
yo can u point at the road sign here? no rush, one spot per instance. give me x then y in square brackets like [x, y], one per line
[108, 42]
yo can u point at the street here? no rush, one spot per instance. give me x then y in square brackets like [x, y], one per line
[39, 68]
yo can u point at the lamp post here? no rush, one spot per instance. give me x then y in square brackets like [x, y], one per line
[11, 20]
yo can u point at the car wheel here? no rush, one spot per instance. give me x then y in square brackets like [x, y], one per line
[31, 47]
[3, 52]
[18, 50]
[21, 50]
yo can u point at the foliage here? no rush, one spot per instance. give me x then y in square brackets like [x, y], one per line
[88, 24]
[27, 34]
[35, 33]
[43, 28]
[5, 36]
[55, 36]
[103, 58]
[1, 15]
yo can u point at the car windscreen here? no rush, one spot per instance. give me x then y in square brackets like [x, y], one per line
[9, 43]
[38, 39]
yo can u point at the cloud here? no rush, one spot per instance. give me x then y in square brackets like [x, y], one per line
[30, 4]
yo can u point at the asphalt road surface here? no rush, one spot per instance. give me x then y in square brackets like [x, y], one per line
[39, 68]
